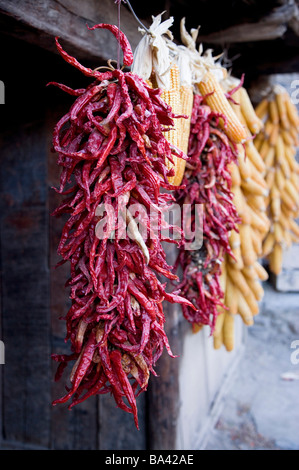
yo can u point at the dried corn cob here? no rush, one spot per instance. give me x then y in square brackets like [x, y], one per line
[173, 98]
[160, 63]
[254, 123]
[210, 88]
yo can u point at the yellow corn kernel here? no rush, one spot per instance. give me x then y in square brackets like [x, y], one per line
[261, 109]
[292, 191]
[218, 102]
[270, 177]
[285, 167]
[230, 297]
[196, 327]
[282, 112]
[274, 134]
[256, 202]
[256, 288]
[244, 168]
[294, 134]
[279, 178]
[294, 238]
[237, 261]
[295, 180]
[218, 331]
[235, 174]
[275, 206]
[253, 186]
[149, 83]
[258, 140]
[275, 259]
[183, 126]
[238, 199]
[289, 154]
[268, 244]
[172, 98]
[238, 279]
[228, 331]
[279, 150]
[254, 123]
[264, 149]
[268, 128]
[292, 112]
[257, 220]
[287, 137]
[254, 156]
[278, 232]
[294, 227]
[269, 157]
[244, 309]
[287, 238]
[284, 220]
[252, 302]
[248, 253]
[287, 202]
[257, 176]
[249, 272]
[186, 97]
[260, 271]
[273, 112]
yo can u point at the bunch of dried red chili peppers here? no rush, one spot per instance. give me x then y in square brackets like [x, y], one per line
[113, 155]
[207, 182]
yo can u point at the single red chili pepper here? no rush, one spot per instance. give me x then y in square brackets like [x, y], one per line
[121, 38]
[115, 357]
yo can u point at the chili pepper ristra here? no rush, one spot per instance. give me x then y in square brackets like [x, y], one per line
[113, 156]
[207, 182]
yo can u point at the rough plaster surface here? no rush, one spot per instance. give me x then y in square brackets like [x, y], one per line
[261, 409]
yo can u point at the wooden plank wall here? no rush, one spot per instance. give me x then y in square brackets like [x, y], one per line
[37, 22]
[33, 297]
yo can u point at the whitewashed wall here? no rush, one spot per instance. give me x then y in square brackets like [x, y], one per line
[203, 380]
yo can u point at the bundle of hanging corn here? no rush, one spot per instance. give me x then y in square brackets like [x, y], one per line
[206, 179]
[277, 144]
[214, 134]
[165, 66]
[243, 272]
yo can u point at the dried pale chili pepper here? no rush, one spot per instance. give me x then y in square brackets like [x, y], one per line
[113, 154]
[207, 182]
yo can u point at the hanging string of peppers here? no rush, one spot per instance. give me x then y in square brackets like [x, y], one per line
[113, 153]
[208, 185]
[214, 135]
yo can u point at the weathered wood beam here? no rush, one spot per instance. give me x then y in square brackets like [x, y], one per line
[38, 22]
[270, 27]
